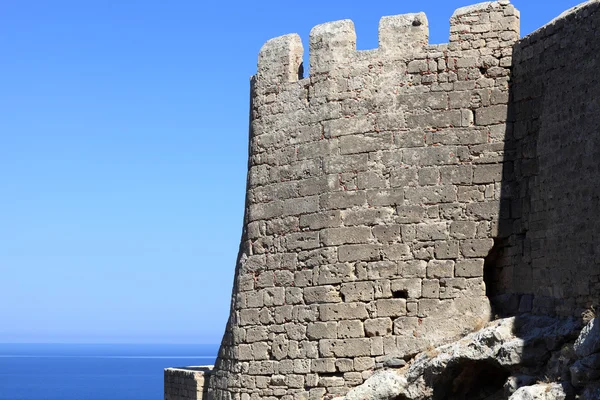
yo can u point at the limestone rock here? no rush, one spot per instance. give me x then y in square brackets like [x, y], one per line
[542, 391]
[591, 392]
[585, 370]
[588, 341]
[394, 362]
[384, 385]
[478, 365]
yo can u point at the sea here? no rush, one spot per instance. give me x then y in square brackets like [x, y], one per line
[93, 371]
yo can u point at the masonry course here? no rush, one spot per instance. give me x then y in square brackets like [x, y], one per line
[395, 195]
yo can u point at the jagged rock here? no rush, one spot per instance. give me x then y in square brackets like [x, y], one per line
[588, 341]
[557, 368]
[585, 370]
[542, 391]
[394, 362]
[384, 385]
[476, 366]
[591, 392]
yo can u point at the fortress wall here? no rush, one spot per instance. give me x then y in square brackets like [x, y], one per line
[189, 383]
[372, 201]
[554, 254]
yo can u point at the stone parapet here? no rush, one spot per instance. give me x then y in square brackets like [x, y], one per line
[186, 383]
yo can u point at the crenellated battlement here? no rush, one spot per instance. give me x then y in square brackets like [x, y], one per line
[332, 45]
[399, 197]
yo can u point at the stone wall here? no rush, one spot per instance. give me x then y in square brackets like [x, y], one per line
[552, 262]
[373, 200]
[187, 383]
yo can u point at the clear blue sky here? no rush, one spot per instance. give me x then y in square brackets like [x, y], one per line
[123, 154]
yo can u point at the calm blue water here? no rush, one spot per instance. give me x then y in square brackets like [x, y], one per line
[92, 372]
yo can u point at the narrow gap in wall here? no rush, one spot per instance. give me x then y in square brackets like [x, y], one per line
[367, 32]
[306, 56]
[400, 294]
[301, 71]
[503, 304]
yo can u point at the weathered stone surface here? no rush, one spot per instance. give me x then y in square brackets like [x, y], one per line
[585, 370]
[382, 386]
[543, 391]
[588, 341]
[457, 368]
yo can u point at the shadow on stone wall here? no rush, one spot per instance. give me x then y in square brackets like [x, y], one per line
[546, 260]
[547, 254]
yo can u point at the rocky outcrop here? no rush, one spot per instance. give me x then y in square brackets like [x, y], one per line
[543, 391]
[520, 358]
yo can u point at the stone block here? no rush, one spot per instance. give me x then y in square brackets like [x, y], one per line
[359, 252]
[380, 270]
[476, 247]
[430, 156]
[321, 330]
[387, 233]
[343, 311]
[487, 173]
[347, 126]
[463, 229]
[303, 278]
[385, 197]
[274, 296]
[485, 211]
[458, 174]
[350, 329]
[365, 143]
[429, 176]
[345, 163]
[396, 252]
[446, 250]
[357, 291]
[321, 294]
[390, 307]
[440, 269]
[430, 288]
[249, 316]
[345, 235]
[370, 180]
[260, 351]
[378, 327]
[327, 219]
[402, 177]
[491, 115]
[431, 195]
[345, 199]
[413, 269]
[302, 241]
[411, 214]
[432, 231]
[367, 216]
[364, 363]
[469, 268]
[323, 365]
[332, 274]
[345, 347]
[434, 119]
